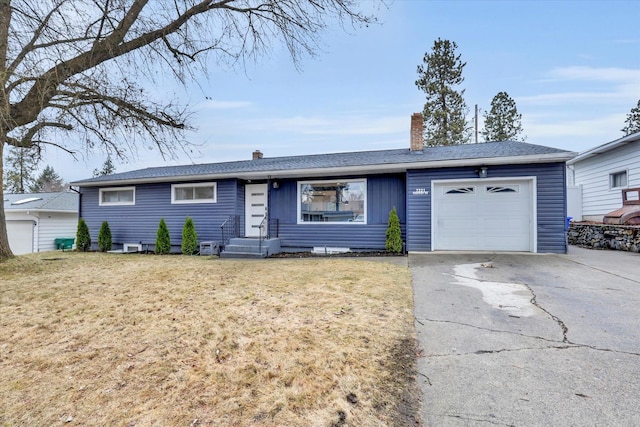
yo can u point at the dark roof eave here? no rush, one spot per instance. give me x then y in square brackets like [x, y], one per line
[341, 170]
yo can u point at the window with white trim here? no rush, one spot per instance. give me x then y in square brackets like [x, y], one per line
[202, 192]
[117, 196]
[337, 201]
[618, 179]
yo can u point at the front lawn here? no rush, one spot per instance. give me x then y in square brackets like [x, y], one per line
[138, 340]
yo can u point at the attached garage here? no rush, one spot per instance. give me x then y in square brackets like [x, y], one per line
[484, 215]
[35, 220]
[20, 235]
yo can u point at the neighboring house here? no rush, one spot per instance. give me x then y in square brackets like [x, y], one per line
[602, 173]
[499, 196]
[35, 220]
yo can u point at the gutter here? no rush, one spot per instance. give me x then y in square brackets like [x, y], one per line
[341, 170]
[605, 147]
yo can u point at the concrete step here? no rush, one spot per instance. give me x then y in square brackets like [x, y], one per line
[240, 247]
[243, 255]
[246, 248]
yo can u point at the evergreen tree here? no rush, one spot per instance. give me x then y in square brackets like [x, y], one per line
[48, 181]
[107, 168]
[163, 240]
[394, 233]
[445, 111]
[503, 122]
[83, 238]
[189, 237]
[20, 165]
[104, 237]
[632, 123]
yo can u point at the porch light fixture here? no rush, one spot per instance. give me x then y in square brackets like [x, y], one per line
[483, 172]
[276, 185]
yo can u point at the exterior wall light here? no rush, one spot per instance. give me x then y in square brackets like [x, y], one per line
[483, 172]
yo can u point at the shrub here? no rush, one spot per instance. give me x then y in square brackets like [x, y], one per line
[163, 241]
[104, 237]
[83, 238]
[394, 233]
[189, 237]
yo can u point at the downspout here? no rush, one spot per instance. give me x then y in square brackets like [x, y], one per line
[35, 242]
[573, 175]
[79, 201]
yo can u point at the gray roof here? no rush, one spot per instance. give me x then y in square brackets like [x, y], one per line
[352, 162]
[600, 149]
[58, 202]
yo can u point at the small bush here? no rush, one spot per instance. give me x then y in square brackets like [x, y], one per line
[163, 240]
[83, 238]
[104, 237]
[394, 233]
[189, 237]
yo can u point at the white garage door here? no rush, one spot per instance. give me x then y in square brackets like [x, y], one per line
[20, 235]
[483, 215]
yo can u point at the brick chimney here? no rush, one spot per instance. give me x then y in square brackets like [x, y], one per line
[257, 154]
[417, 137]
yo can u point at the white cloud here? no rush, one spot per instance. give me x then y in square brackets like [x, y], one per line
[574, 97]
[610, 74]
[538, 127]
[611, 85]
[341, 125]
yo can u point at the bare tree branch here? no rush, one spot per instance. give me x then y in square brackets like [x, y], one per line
[73, 67]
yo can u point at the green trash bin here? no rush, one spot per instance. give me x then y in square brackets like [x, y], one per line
[64, 242]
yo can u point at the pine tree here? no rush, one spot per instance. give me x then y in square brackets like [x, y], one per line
[83, 238]
[104, 237]
[189, 237]
[503, 122]
[107, 168]
[163, 240]
[394, 233]
[445, 110]
[20, 165]
[48, 181]
[632, 123]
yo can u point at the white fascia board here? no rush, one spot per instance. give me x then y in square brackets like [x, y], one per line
[344, 170]
[600, 149]
[74, 211]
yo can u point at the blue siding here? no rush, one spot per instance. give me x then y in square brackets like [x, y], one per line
[153, 201]
[139, 223]
[551, 201]
[383, 193]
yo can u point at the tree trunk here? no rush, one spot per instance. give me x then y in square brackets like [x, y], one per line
[5, 250]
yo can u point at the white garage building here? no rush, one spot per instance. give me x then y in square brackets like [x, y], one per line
[35, 220]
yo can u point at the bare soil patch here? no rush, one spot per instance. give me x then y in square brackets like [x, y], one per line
[135, 340]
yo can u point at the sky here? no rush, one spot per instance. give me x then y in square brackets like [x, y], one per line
[573, 68]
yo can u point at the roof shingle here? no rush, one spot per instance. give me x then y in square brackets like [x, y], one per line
[399, 157]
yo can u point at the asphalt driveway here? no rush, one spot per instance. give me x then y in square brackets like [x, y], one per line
[528, 340]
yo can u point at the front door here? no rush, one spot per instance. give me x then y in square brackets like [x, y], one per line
[255, 208]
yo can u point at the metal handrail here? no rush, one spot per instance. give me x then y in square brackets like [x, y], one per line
[230, 228]
[261, 238]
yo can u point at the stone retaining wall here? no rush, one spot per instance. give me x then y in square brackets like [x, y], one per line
[600, 236]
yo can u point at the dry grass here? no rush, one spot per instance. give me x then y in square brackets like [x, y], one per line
[134, 340]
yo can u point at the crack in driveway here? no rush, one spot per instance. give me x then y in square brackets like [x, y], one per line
[568, 344]
[563, 326]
